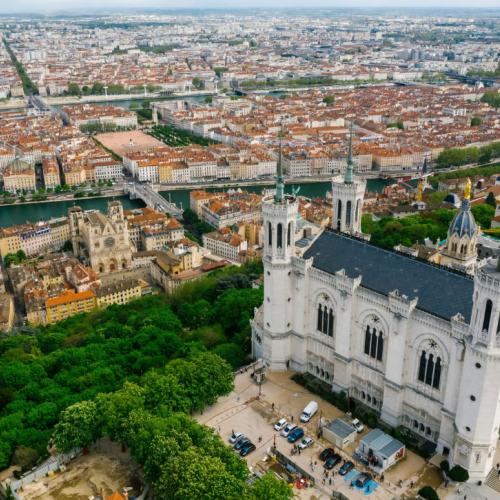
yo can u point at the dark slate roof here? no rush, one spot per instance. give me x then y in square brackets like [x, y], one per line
[440, 291]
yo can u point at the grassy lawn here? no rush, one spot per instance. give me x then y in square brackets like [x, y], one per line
[176, 137]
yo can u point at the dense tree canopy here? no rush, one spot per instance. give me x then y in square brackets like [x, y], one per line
[44, 373]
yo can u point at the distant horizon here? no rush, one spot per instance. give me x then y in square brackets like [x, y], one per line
[95, 7]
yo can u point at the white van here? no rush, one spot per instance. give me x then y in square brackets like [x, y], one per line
[309, 411]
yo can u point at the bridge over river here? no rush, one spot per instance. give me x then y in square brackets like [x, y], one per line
[151, 198]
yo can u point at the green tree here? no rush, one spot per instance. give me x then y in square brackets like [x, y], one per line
[429, 493]
[483, 214]
[269, 487]
[97, 88]
[77, 426]
[329, 100]
[194, 475]
[74, 89]
[491, 200]
[475, 121]
[491, 97]
[116, 406]
[459, 474]
[198, 83]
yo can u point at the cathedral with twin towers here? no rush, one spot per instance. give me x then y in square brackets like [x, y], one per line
[417, 343]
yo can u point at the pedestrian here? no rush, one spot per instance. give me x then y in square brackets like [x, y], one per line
[323, 480]
[272, 406]
[330, 481]
[299, 451]
[411, 485]
[465, 497]
[292, 418]
[382, 478]
[498, 466]
[232, 432]
[260, 439]
[315, 462]
[446, 483]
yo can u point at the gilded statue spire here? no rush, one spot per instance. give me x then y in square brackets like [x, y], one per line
[467, 189]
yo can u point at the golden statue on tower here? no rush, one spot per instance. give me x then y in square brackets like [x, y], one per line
[420, 190]
[467, 189]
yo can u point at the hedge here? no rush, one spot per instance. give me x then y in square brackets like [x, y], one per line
[429, 493]
[458, 474]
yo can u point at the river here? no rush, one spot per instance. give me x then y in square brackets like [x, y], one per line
[33, 212]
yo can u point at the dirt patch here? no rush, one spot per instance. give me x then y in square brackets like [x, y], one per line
[104, 470]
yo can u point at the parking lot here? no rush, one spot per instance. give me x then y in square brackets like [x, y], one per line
[244, 411]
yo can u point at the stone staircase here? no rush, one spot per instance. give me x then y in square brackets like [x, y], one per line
[493, 480]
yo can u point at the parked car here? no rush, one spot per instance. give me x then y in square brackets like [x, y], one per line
[326, 454]
[362, 479]
[241, 443]
[280, 424]
[289, 428]
[358, 425]
[305, 443]
[346, 467]
[309, 411]
[248, 448]
[332, 461]
[235, 436]
[295, 435]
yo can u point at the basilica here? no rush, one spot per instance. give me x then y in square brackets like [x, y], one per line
[418, 343]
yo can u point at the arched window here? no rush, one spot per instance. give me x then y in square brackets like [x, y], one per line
[437, 374]
[279, 236]
[358, 203]
[339, 210]
[429, 370]
[380, 347]
[421, 367]
[289, 234]
[487, 315]
[348, 209]
[320, 318]
[373, 347]
[325, 319]
[269, 234]
[374, 341]
[367, 340]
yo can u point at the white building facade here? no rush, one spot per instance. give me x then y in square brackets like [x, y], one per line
[416, 342]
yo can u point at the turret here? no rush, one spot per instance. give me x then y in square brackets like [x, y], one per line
[347, 198]
[279, 214]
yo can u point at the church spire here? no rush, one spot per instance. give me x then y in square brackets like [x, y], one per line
[348, 179]
[280, 185]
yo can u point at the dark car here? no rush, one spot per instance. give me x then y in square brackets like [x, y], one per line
[346, 467]
[246, 449]
[295, 435]
[241, 443]
[326, 454]
[332, 461]
[362, 480]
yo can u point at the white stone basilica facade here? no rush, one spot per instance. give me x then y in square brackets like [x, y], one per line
[416, 342]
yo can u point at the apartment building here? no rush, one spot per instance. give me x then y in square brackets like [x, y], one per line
[50, 172]
[69, 303]
[225, 243]
[151, 230]
[34, 239]
[119, 292]
[19, 175]
[88, 114]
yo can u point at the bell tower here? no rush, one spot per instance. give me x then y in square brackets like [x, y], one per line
[477, 419]
[279, 215]
[347, 198]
